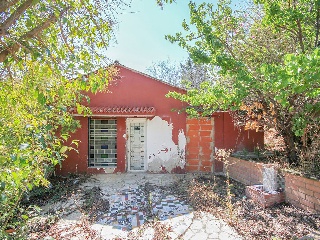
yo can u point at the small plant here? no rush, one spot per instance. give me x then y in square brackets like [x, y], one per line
[257, 152]
[245, 152]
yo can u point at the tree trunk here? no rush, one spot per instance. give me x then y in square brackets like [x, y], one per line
[289, 140]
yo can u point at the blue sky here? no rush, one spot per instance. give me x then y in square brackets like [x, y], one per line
[141, 34]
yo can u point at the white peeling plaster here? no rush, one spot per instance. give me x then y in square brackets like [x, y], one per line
[161, 150]
[107, 169]
[182, 142]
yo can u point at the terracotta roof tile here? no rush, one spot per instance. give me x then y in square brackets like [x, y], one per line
[123, 110]
[120, 110]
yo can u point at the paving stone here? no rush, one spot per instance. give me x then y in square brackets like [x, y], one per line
[200, 236]
[213, 226]
[180, 229]
[196, 225]
[126, 206]
[214, 235]
[228, 235]
[226, 228]
[173, 235]
[188, 235]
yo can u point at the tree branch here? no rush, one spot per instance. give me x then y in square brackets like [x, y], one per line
[5, 4]
[299, 32]
[14, 16]
[300, 36]
[97, 25]
[64, 38]
[317, 27]
[295, 33]
[32, 33]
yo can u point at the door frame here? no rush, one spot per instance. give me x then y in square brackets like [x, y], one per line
[128, 123]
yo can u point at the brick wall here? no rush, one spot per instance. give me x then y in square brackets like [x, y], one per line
[200, 145]
[299, 191]
[249, 173]
[264, 199]
[302, 192]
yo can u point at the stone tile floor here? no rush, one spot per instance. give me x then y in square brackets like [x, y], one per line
[137, 198]
[128, 207]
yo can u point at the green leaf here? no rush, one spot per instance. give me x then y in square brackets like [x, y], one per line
[3, 197]
[29, 186]
[15, 176]
[2, 186]
[41, 98]
[79, 108]
[63, 149]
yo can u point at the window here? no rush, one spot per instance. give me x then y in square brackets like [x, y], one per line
[103, 143]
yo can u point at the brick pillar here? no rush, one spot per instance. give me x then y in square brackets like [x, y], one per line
[200, 145]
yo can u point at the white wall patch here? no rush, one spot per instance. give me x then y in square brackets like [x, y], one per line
[162, 152]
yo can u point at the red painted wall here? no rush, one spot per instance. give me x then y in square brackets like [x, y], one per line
[133, 89]
[204, 135]
[228, 136]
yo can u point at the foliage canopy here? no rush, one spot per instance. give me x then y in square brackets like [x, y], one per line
[268, 63]
[46, 48]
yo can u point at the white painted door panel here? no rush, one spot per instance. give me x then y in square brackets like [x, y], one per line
[136, 144]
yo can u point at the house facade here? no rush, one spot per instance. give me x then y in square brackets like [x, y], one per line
[134, 128]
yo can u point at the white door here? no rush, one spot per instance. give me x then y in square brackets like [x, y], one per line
[136, 144]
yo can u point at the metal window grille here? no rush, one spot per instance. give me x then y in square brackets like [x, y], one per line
[103, 143]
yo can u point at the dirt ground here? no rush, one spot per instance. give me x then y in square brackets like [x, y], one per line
[282, 221]
[87, 204]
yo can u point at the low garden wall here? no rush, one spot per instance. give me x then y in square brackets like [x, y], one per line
[299, 191]
[246, 172]
[302, 192]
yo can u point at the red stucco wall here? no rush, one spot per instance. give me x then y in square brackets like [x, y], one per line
[135, 89]
[132, 89]
[234, 137]
[228, 136]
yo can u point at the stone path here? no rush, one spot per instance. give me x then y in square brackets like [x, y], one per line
[128, 208]
[204, 226]
[138, 199]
